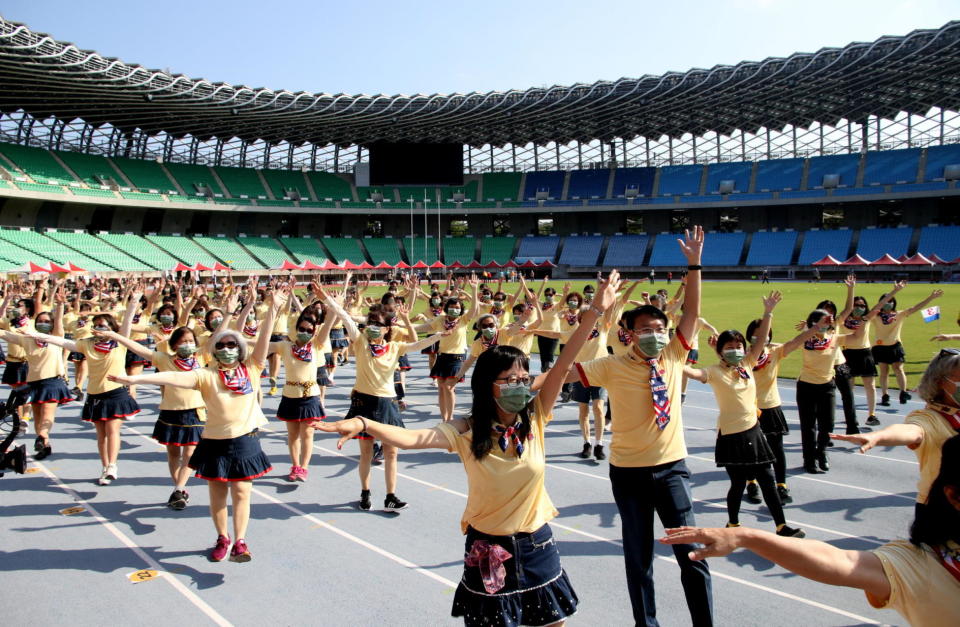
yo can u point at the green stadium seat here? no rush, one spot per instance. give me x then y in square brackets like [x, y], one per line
[358, 205]
[363, 193]
[4, 184]
[343, 248]
[233, 201]
[460, 249]
[282, 180]
[501, 185]
[194, 199]
[396, 205]
[275, 203]
[266, 249]
[310, 204]
[33, 246]
[141, 196]
[499, 249]
[415, 250]
[90, 168]
[143, 248]
[183, 249]
[241, 182]
[303, 248]
[37, 163]
[330, 186]
[40, 187]
[229, 252]
[382, 249]
[145, 174]
[93, 192]
[189, 176]
[102, 251]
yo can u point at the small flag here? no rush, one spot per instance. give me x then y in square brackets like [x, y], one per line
[931, 313]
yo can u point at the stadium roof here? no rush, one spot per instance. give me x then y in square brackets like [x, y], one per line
[909, 73]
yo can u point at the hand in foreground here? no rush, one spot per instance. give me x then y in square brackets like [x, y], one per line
[122, 379]
[864, 441]
[345, 428]
[716, 542]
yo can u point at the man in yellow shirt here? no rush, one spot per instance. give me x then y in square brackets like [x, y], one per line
[647, 450]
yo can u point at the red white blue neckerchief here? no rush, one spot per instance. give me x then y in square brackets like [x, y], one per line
[511, 434]
[814, 344]
[571, 318]
[378, 350]
[449, 324]
[104, 346]
[237, 380]
[888, 318]
[303, 353]
[624, 336]
[41, 343]
[853, 323]
[436, 311]
[491, 342]
[81, 323]
[658, 391]
[594, 334]
[497, 311]
[250, 331]
[190, 363]
[949, 558]
[741, 371]
[547, 306]
[762, 362]
[950, 414]
[20, 322]
[136, 318]
[166, 330]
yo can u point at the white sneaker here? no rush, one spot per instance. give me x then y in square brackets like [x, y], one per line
[112, 472]
[105, 478]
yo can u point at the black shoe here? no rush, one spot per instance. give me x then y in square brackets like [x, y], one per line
[830, 444]
[393, 504]
[811, 468]
[873, 421]
[904, 397]
[43, 453]
[585, 453]
[365, 500]
[855, 430]
[38, 444]
[789, 532]
[77, 394]
[822, 462]
[178, 500]
[377, 454]
[784, 495]
[753, 493]
[565, 396]
[683, 399]
[885, 400]
[598, 453]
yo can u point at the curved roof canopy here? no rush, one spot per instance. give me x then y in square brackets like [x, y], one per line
[909, 73]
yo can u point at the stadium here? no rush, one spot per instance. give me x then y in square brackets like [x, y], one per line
[801, 168]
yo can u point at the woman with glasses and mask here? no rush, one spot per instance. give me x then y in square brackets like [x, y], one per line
[108, 403]
[182, 412]
[512, 573]
[373, 395]
[300, 406]
[228, 456]
[924, 430]
[741, 449]
[488, 330]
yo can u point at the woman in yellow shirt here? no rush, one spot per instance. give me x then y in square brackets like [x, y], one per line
[920, 579]
[17, 319]
[78, 328]
[856, 346]
[547, 346]
[512, 573]
[229, 456]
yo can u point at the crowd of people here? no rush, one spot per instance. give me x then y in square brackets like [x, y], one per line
[217, 349]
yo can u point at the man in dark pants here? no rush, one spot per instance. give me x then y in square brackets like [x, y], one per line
[647, 469]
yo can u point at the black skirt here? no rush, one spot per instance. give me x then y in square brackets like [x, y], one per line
[747, 448]
[112, 405]
[404, 363]
[433, 349]
[235, 459]
[133, 359]
[323, 375]
[300, 409]
[50, 390]
[377, 408]
[860, 361]
[338, 338]
[772, 420]
[75, 357]
[15, 373]
[447, 366]
[178, 427]
[536, 589]
[892, 354]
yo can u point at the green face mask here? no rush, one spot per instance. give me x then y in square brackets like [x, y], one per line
[227, 355]
[733, 356]
[516, 318]
[650, 344]
[215, 322]
[453, 313]
[166, 320]
[859, 311]
[303, 338]
[185, 350]
[44, 327]
[373, 332]
[435, 302]
[488, 333]
[572, 304]
[888, 306]
[514, 397]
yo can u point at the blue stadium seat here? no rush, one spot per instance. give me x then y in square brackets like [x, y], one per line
[891, 167]
[639, 178]
[818, 244]
[875, 243]
[538, 248]
[779, 174]
[666, 252]
[701, 198]
[937, 158]
[931, 186]
[943, 241]
[754, 196]
[626, 250]
[857, 191]
[581, 250]
[738, 172]
[680, 179]
[552, 182]
[844, 165]
[607, 201]
[808, 193]
[588, 183]
[772, 248]
[722, 249]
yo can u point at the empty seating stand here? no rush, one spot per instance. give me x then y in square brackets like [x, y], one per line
[875, 243]
[501, 185]
[241, 182]
[843, 166]
[382, 249]
[538, 248]
[779, 175]
[943, 241]
[142, 248]
[343, 248]
[460, 249]
[29, 245]
[680, 180]
[891, 167]
[191, 176]
[639, 179]
[735, 175]
[539, 183]
[184, 249]
[266, 250]
[91, 169]
[420, 249]
[625, 251]
[772, 248]
[818, 244]
[938, 158]
[281, 181]
[722, 249]
[581, 250]
[330, 186]
[304, 248]
[497, 248]
[588, 184]
[145, 175]
[36, 163]
[101, 251]
[666, 251]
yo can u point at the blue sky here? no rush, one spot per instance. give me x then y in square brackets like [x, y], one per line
[410, 47]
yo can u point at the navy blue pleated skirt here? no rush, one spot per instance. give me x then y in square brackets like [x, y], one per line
[338, 338]
[178, 427]
[15, 373]
[235, 459]
[112, 405]
[50, 390]
[300, 409]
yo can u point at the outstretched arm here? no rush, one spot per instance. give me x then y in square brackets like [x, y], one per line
[185, 380]
[903, 434]
[388, 434]
[692, 247]
[763, 332]
[923, 303]
[135, 348]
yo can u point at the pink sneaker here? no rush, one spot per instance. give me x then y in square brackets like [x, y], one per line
[240, 552]
[294, 473]
[220, 549]
[302, 474]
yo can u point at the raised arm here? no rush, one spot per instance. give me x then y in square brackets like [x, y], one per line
[763, 331]
[475, 302]
[133, 306]
[135, 348]
[899, 285]
[923, 303]
[185, 380]
[349, 326]
[851, 282]
[262, 348]
[692, 247]
[790, 346]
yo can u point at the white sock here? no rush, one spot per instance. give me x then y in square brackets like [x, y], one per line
[598, 442]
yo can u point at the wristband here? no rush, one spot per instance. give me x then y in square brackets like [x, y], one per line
[598, 311]
[696, 267]
[364, 423]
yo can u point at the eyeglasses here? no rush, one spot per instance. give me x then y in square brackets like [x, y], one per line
[230, 344]
[514, 380]
[488, 326]
[305, 331]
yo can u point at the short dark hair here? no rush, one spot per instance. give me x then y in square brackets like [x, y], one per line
[631, 316]
[109, 320]
[938, 520]
[754, 326]
[829, 306]
[815, 316]
[730, 335]
[177, 336]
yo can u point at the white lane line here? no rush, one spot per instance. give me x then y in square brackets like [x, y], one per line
[151, 563]
[367, 545]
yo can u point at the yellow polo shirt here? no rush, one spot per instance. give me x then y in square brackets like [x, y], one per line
[889, 334]
[102, 364]
[375, 374]
[768, 395]
[818, 362]
[229, 415]
[456, 342]
[174, 398]
[936, 431]
[736, 396]
[922, 590]
[299, 371]
[43, 362]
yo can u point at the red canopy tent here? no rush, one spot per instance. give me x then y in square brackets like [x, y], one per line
[287, 265]
[74, 268]
[826, 261]
[366, 265]
[403, 265]
[917, 260]
[493, 264]
[903, 258]
[55, 268]
[937, 259]
[35, 268]
[957, 260]
[200, 267]
[475, 264]
[856, 260]
[420, 265]
[529, 263]
[511, 264]
[182, 267]
[349, 265]
[456, 265]
[886, 260]
[219, 266]
[437, 265]
[329, 265]
[383, 265]
[547, 264]
[309, 265]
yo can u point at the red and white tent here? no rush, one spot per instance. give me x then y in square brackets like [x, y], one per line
[403, 265]
[74, 268]
[32, 267]
[420, 265]
[856, 260]
[200, 267]
[917, 260]
[309, 265]
[288, 265]
[182, 267]
[366, 265]
[383, 265]
[886, 260]
[493, 264]
[475, 264]
[826, 261]
[456, 265]
[437, 265]
[220, 267]
[55, 268]
[349, 265]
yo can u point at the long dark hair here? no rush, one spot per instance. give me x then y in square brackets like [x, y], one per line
[938, 520]
[490, 365]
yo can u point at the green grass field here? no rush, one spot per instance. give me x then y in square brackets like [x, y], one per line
[731, 305]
